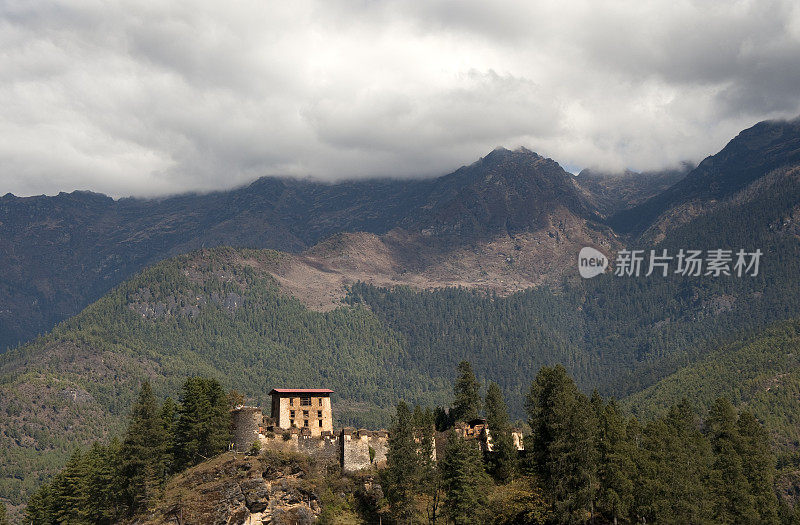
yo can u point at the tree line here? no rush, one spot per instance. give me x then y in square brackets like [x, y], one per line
[114, 481]
[392, 343]
[584, 462]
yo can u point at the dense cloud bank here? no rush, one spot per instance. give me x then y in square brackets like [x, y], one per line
[146, 98]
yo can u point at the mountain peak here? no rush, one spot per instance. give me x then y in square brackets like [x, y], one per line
[752, 154]
[503, 152]
[505, 191]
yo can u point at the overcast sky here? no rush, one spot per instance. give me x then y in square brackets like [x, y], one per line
[145, 98]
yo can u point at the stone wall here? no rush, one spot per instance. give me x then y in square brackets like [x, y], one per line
[356, 446]
[323, 448]
[349, 447]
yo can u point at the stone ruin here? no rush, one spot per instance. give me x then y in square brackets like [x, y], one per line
[352, 449]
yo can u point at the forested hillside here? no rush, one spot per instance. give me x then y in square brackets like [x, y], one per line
[213, 313]
[760, 372]
[219, 313]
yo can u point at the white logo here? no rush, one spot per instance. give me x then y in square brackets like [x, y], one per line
[591, 262]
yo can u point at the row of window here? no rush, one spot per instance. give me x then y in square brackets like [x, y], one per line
[305, 401]
[305, 413]
[305, 423]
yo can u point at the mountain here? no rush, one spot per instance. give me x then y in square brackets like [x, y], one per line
[508, 221]
[612, 192]
[768, 148]
[505, 192]
[57, 254]
[379, 295]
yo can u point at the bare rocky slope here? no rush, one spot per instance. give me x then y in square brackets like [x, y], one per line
[235, 489]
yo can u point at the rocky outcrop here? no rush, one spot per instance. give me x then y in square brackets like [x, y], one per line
[233, 489]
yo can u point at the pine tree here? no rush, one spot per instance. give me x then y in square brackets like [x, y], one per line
[40, 507]
[503, 457]
[202, 429]
[142, 457]
[168, 415]
[563, 452]
[429, 484]
[465, 482]
[615, 466]
[103, 493]
[467, 397]
[443, 419]
[730, 489]
[66, 491]
[3, 517]
[401, 474]
[758, 462]
[673, 461]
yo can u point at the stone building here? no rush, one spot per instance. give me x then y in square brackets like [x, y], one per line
[479, 429]
[303, 408]
[302, 421]
[352, 449]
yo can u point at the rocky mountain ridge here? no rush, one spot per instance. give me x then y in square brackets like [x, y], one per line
[57, 254]
[511, 220]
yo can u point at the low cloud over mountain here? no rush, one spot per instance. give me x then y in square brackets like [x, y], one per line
[144, 99]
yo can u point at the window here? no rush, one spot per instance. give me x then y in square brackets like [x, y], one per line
[291, 422]
[291, 414]
[305, 401]
[319, 413]
[305, 414]
[291, 401]
[320, 422]
[320, 401]
[305, 423]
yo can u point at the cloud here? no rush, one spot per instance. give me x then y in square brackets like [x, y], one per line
[145, 98]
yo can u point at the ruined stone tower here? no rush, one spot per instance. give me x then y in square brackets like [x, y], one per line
[247, 428]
